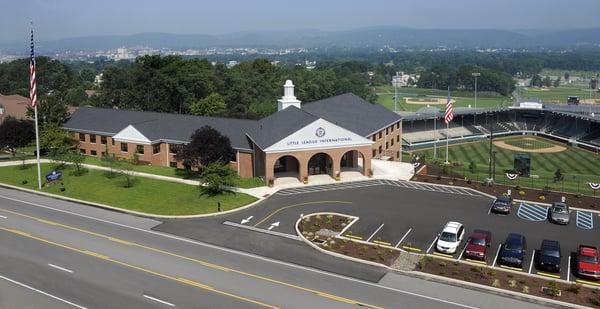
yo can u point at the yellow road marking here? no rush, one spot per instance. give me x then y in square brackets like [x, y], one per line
[513, 268]
[548, 275]
[207, 264]
[295, 205]
[476, 261]
[382, 242]
[103, 257]
[354, 236]
[443, 254]
[411, 248]
[587, 282]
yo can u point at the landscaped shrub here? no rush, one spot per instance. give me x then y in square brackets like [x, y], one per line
[522, 193]
[542, 197]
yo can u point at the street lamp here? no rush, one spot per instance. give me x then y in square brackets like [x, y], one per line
[475, 74]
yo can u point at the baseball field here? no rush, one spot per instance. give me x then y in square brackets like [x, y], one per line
[578, 166]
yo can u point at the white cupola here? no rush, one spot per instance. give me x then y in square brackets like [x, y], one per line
[288, 98]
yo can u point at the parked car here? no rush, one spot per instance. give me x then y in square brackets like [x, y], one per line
[477, 245]
[559, 213]
[502, 204]
[450, 237]
[549, 257]
[588, 264]
[512, 252]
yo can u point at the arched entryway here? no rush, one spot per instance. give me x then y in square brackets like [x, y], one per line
[352, 161]
[286, 167]
[320, 164]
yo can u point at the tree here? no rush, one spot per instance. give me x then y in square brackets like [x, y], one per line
[558, 176]
[593, 83]
[215, 177]
[567, 76]
[110, 161]
[56, 140]
[15, 134]
[51, 110]
[536, 81]
[547, 82]
[212, 105]
[75, 158]
[472, 167]
[207, 146]
[127, 170]
[556, 82]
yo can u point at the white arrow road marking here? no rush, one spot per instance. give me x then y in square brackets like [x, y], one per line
[244, 221]
[274, 224]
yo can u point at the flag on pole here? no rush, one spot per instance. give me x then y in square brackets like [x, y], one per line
[449, 114]
[32, 83]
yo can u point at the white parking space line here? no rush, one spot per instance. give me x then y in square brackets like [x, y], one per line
[569, 269]
[531, 264]
[432, 243]
[401, 239]
[158, 300]
[490, 210]
[3, 217]
[462, 252]
[41, 292]
[377, 230]
[496, 257]
[61, 268]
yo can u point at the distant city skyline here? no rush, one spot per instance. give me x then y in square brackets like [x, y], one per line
[70, 18]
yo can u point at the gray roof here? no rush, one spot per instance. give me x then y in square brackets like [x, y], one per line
[353, 113]
[158, 126]
[277, 126]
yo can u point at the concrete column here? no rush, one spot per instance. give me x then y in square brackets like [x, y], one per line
[336, 165]
[303, 168]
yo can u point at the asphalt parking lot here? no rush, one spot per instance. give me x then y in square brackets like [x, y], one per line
[410, 216]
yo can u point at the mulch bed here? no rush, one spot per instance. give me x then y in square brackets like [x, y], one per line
[522, 193]
[572, 293]
[322, 229]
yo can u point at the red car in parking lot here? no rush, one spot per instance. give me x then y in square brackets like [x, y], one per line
[588, 264]
[478, 244]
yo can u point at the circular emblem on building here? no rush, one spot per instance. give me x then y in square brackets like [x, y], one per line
[320, 132]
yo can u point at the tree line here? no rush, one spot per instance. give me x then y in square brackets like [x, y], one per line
[444, 77]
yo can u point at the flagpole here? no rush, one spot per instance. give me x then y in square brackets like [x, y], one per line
[447, 134]
[435, 136]
[37, 149]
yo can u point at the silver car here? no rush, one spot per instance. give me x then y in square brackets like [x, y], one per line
[559, 213]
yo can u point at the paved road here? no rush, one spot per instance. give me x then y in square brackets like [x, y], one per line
[96, 259]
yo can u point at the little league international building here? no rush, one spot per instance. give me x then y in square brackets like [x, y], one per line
[328, 136]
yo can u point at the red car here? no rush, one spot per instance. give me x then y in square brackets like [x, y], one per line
[478, 244]
[588, 264]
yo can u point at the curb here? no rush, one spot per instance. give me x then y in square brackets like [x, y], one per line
[131, 212]
[489, 289]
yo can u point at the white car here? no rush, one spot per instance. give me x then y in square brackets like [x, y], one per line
[450, 238]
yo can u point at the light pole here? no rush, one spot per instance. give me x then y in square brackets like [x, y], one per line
[475, 74]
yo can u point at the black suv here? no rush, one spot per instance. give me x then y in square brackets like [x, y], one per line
[548, 257]
[502, 204]
[512, 252]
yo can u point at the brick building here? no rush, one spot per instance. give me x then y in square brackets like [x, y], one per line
[327, 136]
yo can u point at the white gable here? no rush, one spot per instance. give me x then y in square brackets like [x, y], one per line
[131, 135]
[319, 134]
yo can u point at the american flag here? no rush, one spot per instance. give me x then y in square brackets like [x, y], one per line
[449, 114]
[32, 84]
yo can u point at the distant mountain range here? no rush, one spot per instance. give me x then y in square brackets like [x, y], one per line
[365, 37]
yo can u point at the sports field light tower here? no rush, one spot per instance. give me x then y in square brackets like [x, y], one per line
[475, 74]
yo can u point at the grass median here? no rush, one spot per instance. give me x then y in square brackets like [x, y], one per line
[147, 195]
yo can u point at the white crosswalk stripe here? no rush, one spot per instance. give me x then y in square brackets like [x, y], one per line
[532, 212]
[584, 220]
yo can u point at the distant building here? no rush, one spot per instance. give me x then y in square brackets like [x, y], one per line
[310, 64]
[13, 106]
[400, 79]
[231, 64]
[98, 79]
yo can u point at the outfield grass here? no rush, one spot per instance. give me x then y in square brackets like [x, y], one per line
[147, 195]
[578, 166]
[558, 94]
[385, 97]
[180, 173]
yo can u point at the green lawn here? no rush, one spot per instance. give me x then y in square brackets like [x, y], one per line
[147, 195]
[179, 173]
[385, 97]
[558, 94]
[578, 166]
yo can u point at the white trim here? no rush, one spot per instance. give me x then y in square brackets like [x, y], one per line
[131, 135]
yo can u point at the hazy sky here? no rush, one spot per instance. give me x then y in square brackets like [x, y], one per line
[69, 18]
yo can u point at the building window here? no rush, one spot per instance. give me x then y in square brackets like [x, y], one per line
[93, 153]
[173, 148]
[112, 141]
[392, 128]
[82, 151]
[380, 150]
[124, 147]
[173, 164]
[398, 154]
[103, 140]
[374, 137]
[380, 134]
[81, 137]
[392, 142]
[387, 131]
[398, 138]
[374, 152]
[140, 149]
[387, 145]
[156, 148]
[92, 138]
[397, 125]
